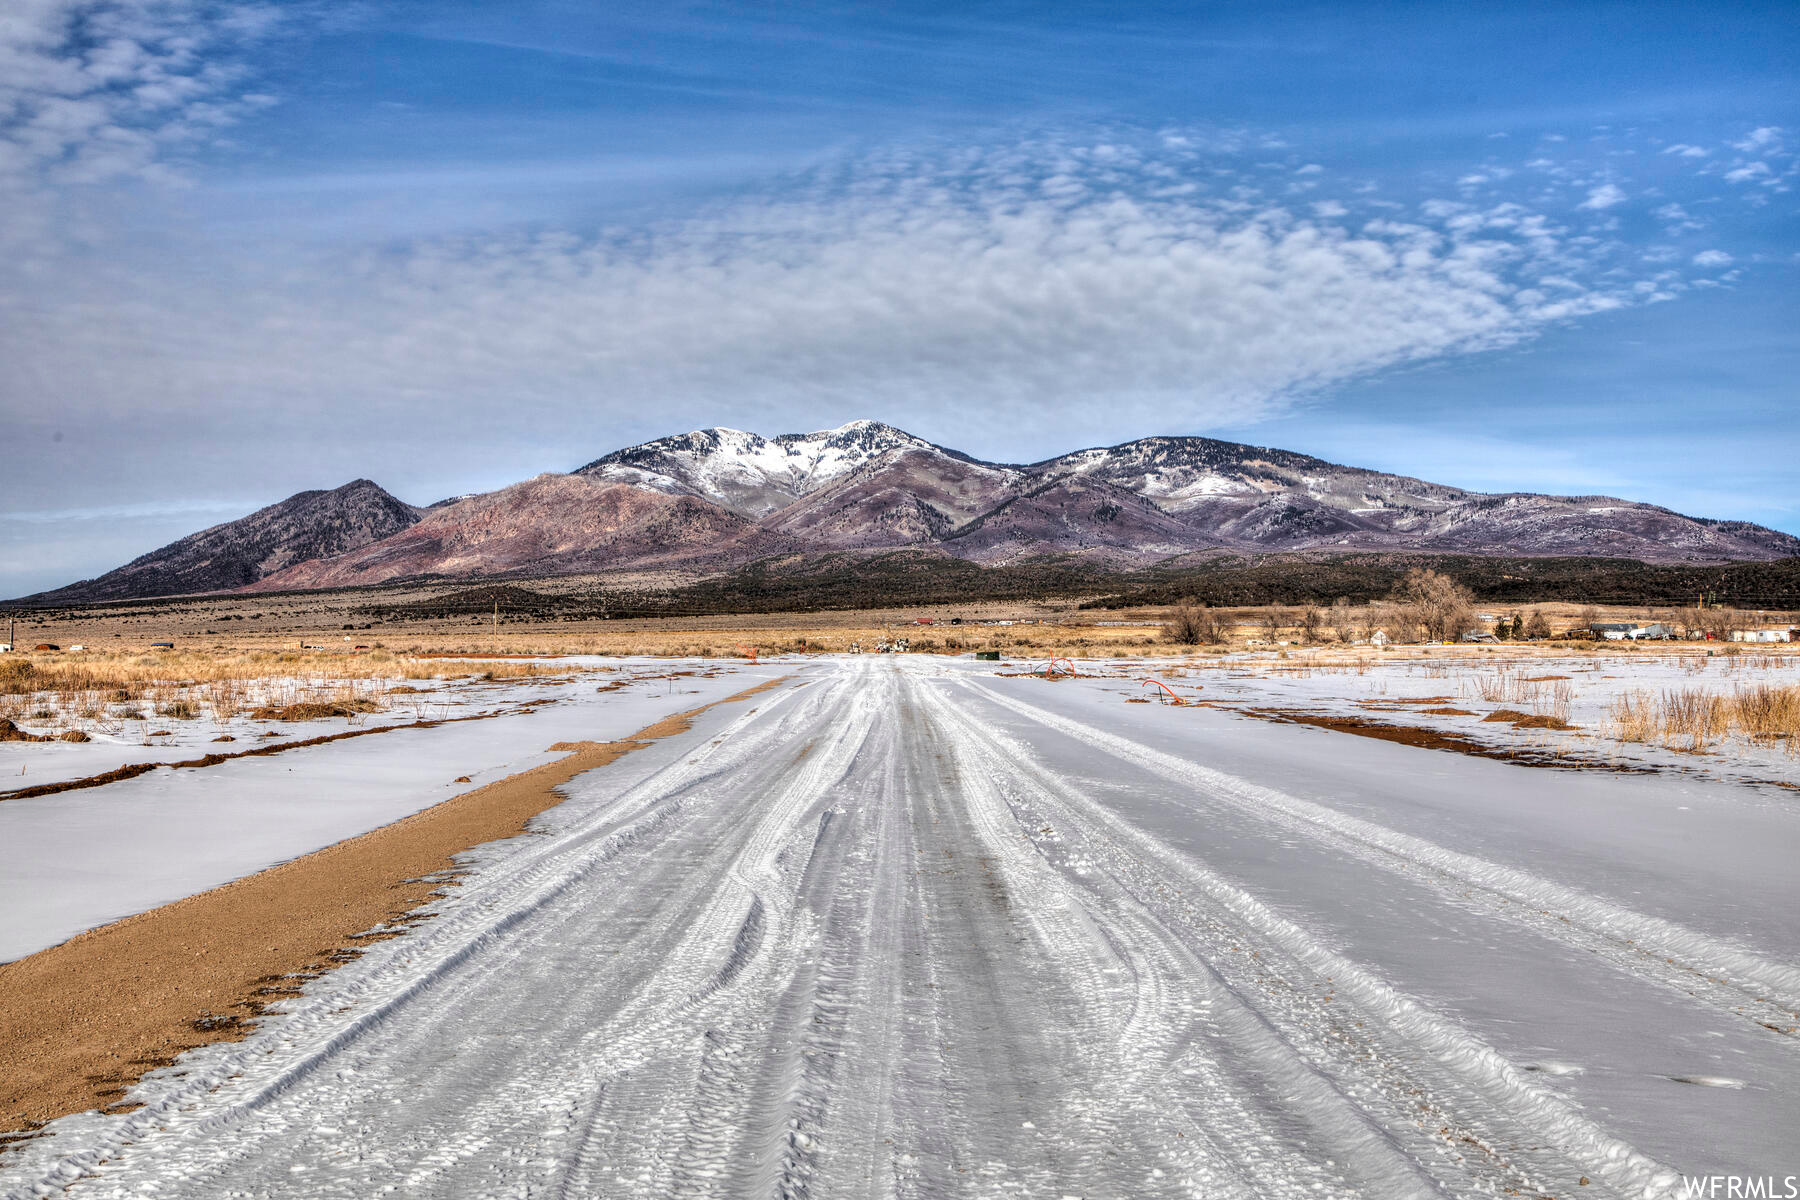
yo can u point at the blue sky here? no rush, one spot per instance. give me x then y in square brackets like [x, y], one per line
[247, 249]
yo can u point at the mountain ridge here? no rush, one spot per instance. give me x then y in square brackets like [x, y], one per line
[303, 528]
[714, 499]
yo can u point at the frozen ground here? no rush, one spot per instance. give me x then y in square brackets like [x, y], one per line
[909, 928]
[1581, 689]
[77, 859]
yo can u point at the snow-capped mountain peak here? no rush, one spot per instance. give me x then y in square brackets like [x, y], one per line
[751, 474]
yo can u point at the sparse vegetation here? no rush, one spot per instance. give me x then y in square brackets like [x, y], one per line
[1193, 625]
[1694, 719]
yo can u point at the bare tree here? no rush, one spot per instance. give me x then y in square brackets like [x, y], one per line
[1274, 620]
[1444, 608]
[1311, 621]
[1343, 620]
[1193, 625]
[1718, 622]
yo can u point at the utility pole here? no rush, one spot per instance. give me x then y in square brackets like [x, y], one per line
[496, 624]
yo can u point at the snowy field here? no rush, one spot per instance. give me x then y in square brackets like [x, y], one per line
[1582, 691]
[82, 858]
[916, 927]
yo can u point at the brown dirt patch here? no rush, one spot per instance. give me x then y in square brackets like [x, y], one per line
[1437, 739]
[1525, 720]
[1445, 712]
[12, 733]
[314, 712]
[82, 1021]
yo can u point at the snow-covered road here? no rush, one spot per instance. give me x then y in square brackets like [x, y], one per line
[906, 928]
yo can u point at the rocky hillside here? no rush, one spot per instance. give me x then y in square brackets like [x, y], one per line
[554, 524]
[1256, 498]
[302, 528]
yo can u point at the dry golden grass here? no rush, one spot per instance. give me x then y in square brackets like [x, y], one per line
[109, 691]
[1693, 719]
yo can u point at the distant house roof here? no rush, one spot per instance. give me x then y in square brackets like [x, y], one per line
[1612, 626]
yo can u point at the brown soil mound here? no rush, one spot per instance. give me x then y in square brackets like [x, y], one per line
[314, 712]
[81, 1022]
[12, 733]
[1525, 720]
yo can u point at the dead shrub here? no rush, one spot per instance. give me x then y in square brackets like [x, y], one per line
[1193, 625]
[1766, 713]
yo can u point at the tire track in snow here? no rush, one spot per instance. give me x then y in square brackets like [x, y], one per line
[1731, 978]
[862, 945]
[355, 1003]
[1420, 1047]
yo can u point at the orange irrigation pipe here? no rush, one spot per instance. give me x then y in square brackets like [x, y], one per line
[1050, 667]
[1173, 698]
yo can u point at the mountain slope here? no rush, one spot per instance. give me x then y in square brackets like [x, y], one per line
[751, 475]
[1097, 520]
[1259, 498]
[911, 497]
[554, 524]
[304, 527]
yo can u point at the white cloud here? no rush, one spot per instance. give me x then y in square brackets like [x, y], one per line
[1004, 284]
[92, 90]
[1682, 150]
[1603, 197]
[1712, 258]
[1759, 140]
[1749, 173]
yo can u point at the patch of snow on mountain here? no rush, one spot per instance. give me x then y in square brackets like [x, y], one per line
[749, 473]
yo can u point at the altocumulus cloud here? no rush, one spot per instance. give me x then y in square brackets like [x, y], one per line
[95, 91]
[1030, 282]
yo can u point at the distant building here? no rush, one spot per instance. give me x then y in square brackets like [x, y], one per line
[1784, 634]
[1630, 631]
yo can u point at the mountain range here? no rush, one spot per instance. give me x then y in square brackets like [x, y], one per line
[716, 499]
